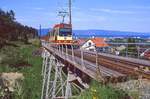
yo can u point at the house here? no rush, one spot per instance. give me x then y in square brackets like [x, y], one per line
[45, 38]
[81, 41]
[93, 44]
[146, 54]
[148, 40]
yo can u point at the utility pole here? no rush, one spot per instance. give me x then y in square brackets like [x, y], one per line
[63, 15]
[40, 32]
[70, 17]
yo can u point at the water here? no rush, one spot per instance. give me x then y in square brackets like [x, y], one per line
[102, 33]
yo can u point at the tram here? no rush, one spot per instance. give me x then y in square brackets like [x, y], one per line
[61, 34]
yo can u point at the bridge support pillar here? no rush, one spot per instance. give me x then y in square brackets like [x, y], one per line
[44, 56]
[68, 92]
[57, 80]
[44, 71]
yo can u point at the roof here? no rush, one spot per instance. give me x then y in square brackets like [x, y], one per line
[99, 42]
[62, 25]
[147, 53]
[46, 38]
[80, 41]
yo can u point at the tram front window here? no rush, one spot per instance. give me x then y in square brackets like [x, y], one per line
[65, 32]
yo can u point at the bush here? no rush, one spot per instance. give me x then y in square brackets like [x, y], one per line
[35, 42]
[102, 92]
[11, 55]
[31, 86]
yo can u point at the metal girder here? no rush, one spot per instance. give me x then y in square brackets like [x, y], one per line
[56, 83]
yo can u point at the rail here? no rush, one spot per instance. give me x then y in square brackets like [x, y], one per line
[104, 65]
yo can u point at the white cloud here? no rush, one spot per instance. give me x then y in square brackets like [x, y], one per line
[84, 19]
[112, 11]
[5, 8]
[66, 8]
[38, 8]
[81, 16]
[141, 7]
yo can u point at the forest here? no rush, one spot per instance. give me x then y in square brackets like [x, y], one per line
[12, 30]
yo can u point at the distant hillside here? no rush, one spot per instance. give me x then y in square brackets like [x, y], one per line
[109, 33]
[103, 33]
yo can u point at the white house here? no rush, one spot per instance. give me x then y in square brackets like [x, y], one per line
[93, 44]
[88, 45]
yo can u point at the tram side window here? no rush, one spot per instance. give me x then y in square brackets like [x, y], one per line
[65, 32]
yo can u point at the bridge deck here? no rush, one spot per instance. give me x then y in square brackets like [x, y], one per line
[86, 67]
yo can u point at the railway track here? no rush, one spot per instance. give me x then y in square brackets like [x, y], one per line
[106, 75]
[122, 65]
[126, 66]
[129, 67]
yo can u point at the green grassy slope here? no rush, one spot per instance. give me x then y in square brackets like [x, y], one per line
[98, 91]
[31, 85]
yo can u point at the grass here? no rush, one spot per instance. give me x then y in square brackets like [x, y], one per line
[31, 86]
[98, 91]
[32, 83]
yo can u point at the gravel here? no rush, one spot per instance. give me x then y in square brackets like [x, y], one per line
[140, 88]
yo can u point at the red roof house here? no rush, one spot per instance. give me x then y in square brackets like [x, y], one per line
[99, 42]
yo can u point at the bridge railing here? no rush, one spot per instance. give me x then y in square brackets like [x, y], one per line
[76, 56]
[133, 50]
[90, 61]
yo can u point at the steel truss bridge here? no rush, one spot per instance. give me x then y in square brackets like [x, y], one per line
[67, 72]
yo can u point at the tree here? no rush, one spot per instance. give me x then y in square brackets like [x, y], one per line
[10, 29]
[132, 47]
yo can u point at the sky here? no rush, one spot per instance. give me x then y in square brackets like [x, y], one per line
[122, 15]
